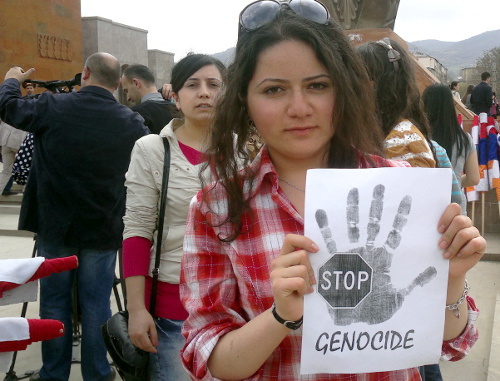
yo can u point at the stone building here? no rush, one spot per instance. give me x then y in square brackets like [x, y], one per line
[128, 44]
[46, 35]
[434, 66]
[52, 37]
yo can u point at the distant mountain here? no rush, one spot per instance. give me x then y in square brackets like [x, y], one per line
[453, 55]
[458, 55]
[226, 56]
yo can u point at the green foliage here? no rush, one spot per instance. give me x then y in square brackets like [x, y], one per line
[490, 61]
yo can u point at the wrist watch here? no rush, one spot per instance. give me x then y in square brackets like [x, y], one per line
[291, 324]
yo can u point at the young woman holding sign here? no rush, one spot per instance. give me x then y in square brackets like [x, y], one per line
[297, 81]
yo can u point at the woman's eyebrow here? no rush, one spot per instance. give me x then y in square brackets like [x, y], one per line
[306, 79]
[208, 79]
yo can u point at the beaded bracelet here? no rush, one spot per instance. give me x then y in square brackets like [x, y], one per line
[455, 307]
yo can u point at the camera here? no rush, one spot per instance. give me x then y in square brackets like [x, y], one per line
[57, 86]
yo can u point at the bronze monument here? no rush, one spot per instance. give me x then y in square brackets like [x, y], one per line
[363, 14]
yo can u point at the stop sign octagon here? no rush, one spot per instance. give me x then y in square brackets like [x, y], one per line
[345, 280]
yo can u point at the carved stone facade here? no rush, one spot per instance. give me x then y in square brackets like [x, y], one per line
[53, 47]
[46, 35]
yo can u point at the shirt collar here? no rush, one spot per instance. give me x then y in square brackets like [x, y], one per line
[151, 96]
[264, 170]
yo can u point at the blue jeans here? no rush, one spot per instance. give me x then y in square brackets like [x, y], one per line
[166, 364]
[95, 276]
[432, 373]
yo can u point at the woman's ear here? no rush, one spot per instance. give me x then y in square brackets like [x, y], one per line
[177, 101]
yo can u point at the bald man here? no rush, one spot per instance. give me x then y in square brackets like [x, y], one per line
[75, 199]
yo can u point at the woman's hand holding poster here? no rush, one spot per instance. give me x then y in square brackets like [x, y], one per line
[379, 300]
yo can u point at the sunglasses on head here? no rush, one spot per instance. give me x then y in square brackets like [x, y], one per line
[262, 12]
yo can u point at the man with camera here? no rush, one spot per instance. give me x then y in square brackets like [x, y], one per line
[75, 199]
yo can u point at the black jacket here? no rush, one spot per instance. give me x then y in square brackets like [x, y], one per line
[481, 98]
[75, 195]
[156, 113]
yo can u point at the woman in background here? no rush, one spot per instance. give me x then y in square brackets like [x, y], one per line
[446, 130]
[466, 98]
[400, 110]
[494, 105]
[197, 80]
[455, 88]
[398, 104]
[298, 83]
[404, 123]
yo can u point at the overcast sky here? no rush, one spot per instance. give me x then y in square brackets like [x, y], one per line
[203, 26]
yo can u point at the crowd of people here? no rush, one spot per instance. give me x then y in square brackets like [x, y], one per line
[234, 266]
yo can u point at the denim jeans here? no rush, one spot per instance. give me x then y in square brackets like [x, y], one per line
[95, 276]
[166, 364]
[432, 373]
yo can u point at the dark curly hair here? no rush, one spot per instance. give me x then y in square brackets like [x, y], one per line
[397, 95]
[396, 92]
[354, 118]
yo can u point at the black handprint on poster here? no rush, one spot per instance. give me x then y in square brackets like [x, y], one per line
[357, 285]
[381, 278]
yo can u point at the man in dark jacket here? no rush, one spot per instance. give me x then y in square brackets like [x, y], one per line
[138, 82]
[481, 97]
[75, 199]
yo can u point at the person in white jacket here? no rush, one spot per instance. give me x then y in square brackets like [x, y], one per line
[10, 141]
[196, 82]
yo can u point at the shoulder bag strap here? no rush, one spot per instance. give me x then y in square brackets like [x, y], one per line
[159, 224]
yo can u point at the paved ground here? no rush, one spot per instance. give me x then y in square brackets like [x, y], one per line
[482, 364]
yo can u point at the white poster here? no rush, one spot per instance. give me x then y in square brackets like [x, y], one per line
[378, 304]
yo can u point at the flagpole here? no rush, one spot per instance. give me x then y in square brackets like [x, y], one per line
[482, 213]
[473, 211]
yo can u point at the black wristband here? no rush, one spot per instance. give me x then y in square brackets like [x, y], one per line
[292, 324]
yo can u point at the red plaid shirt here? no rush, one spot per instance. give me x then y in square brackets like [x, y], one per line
[224, 285]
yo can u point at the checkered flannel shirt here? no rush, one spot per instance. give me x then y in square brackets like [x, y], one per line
[224, 285]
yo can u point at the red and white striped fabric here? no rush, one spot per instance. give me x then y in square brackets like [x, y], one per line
[492, 148]
[17, 333]
[15, 272]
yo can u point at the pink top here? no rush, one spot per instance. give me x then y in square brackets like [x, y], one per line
[195, 157]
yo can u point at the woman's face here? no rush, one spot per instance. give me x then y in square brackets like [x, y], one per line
[290, 100]
[196, 99]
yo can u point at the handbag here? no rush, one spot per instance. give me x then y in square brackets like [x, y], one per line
[130, 361]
